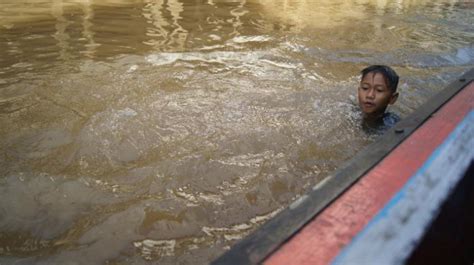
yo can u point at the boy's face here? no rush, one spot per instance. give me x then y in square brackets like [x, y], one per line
[374, 95]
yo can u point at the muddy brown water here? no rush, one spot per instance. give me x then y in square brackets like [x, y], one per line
[162, 131]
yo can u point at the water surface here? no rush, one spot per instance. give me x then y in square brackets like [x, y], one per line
[144, 132]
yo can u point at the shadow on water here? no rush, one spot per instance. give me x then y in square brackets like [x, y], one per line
[136, 132]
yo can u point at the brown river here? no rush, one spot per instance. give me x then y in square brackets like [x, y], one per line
[163, 131]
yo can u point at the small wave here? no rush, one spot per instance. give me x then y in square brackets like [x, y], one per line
[280, 64]
[229, 60]
[211, 57]
[463, 56]
[246, 39]
[459, 57]
[238, 231]
[155, 248]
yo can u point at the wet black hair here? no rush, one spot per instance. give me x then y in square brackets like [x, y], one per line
[390, 76]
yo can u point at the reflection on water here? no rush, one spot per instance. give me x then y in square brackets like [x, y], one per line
[136, 132]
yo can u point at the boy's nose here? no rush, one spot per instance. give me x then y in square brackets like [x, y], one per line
[371, 93]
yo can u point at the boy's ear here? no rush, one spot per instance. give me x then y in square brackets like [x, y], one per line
[393, 98]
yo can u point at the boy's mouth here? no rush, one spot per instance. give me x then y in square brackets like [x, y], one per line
[369, 104]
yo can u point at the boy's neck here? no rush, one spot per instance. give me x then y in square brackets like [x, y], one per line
[373, 121]
[374, 117]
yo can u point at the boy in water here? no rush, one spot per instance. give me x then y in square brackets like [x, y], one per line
[377, 90]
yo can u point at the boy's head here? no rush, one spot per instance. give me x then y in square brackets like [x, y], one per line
[377, 90]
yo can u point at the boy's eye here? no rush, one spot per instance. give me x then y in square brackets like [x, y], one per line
[364, 87]
[380, 88]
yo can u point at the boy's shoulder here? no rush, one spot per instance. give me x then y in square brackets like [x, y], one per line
[390, 119]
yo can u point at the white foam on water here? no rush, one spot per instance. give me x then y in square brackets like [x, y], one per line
[211, 57]
[223, 57]
[246, 39]
[127, 112]
[152, 248]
